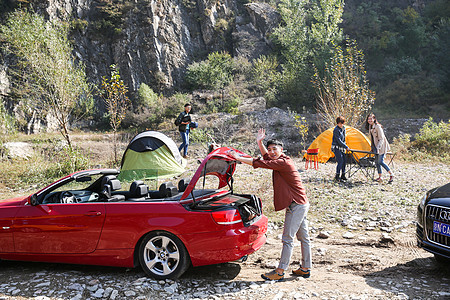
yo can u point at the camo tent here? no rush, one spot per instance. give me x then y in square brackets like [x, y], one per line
[151, 155]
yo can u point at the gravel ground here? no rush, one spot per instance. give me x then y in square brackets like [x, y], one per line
[363, 237]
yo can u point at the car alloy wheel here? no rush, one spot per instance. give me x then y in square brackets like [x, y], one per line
[162, 255]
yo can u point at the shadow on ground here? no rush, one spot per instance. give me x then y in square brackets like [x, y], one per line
[421, 277]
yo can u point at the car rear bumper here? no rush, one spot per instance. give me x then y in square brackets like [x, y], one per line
[224, 246]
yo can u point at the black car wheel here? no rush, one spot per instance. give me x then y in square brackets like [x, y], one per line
[162, 255]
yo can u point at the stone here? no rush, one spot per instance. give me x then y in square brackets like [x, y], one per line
[75, 286]
[321, 251]
[43, 284]
[114, 294]
[386, 238]
[99, 293]
[107, 292]
[348, 235]
[93, 288]
[323, 235]
[19, 150]
[130, 293]
[387, 229]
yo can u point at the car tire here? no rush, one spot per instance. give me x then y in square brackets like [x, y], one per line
[163, 256]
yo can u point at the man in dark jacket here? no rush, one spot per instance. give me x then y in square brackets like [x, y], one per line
[339, 147]
[183, 120]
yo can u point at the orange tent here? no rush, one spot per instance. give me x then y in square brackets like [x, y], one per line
[354, 139]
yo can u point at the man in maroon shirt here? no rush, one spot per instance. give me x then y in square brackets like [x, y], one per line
[289, 194]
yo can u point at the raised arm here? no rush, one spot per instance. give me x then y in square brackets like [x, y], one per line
[238, 157]
[259, 139]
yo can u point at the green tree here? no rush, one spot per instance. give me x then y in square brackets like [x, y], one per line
[47, 78]
[302, 127]
[265, 76]
[214, 73]
[148, 98]
[308, 30]
[114, 93]
[344, 89]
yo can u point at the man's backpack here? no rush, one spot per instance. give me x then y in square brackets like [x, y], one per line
[178, 120]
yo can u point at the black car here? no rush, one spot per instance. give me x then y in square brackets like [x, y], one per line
[433, 223]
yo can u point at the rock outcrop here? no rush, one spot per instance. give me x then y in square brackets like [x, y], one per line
[153, 42]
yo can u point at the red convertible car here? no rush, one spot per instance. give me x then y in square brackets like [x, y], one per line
[87, 218]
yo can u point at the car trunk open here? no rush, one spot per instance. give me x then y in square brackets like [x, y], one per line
[221, 165]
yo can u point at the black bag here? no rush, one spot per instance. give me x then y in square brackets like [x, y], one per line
[178, 120]
[186, 118]
[182, 118]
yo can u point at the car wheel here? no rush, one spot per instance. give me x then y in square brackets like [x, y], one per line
[162, 255]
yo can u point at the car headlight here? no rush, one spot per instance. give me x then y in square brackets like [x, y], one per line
[422, 202]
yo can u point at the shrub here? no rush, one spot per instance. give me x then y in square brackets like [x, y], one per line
[201, 135]
[174, 105]
[401, 146]
[266, 77]
[147, 97]
[6, 121]
[302, 127]
[64, 160]
[68, 161]
[433, 138]
[401, 67]
[241, 65]
[431, 143]
[231, 105]
[214, 73]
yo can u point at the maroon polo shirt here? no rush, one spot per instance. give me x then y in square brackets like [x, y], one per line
[287, 184]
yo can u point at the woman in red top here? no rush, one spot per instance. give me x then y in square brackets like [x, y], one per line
[289, 194]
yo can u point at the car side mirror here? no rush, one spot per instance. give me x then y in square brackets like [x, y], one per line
[83, 179]
[33, 200]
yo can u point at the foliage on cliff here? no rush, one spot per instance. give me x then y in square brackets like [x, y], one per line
[46, 79]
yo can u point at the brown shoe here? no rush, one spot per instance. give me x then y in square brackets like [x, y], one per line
[301, 272]
[273, 275]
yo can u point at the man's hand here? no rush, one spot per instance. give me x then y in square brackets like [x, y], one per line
[234, 154]
[261, 135]
[259, 140]
[240, 157]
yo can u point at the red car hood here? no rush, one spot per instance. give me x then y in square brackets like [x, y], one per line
[218, 163]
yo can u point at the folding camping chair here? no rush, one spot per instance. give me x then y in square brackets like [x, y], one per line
[364, 163]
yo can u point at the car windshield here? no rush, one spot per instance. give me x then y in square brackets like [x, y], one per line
[73, 191]
[79, 184]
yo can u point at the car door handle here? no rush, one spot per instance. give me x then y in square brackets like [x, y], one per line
[93, 213]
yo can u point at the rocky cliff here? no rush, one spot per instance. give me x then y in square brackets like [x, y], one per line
[153, 41]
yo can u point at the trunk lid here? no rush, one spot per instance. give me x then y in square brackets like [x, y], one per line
[218, 163]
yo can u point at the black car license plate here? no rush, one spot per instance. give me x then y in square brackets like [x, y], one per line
[441, 228]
